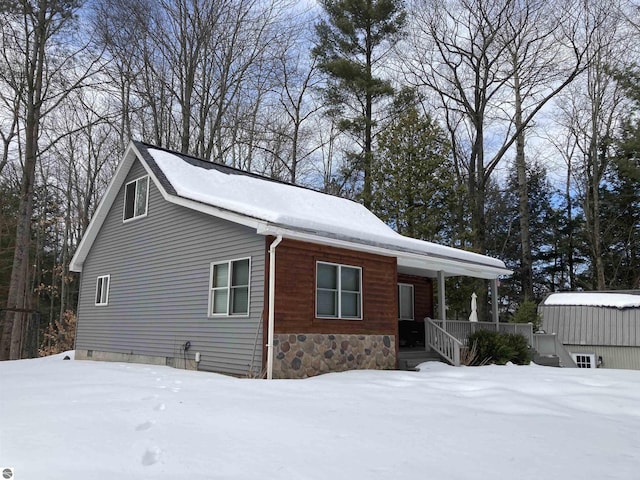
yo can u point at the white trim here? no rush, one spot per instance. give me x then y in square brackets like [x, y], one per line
[131, 155]
[452, 267]
[413, 303]
[228, 288]
[423, 263]
[339, 291]
[135, 200]
[272, 305]
[103, 208]
[203, 207]
[104, 292]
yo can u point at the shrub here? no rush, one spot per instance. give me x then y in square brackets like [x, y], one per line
[494, 347]
[60, 335]
[520, 347]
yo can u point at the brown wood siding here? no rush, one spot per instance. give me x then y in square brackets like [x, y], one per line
[296, 283]
[422, 295]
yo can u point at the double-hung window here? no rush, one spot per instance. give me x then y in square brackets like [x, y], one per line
[102, 290]
[405, 301]
[338, 291]
[136, 198]
[229, 292]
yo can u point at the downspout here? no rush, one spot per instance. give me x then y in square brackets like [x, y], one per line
[272, 303]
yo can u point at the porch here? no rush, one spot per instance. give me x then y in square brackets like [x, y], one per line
[445, 339]
[448, 337]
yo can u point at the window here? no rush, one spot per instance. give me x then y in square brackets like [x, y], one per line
[338, 291]
[102, 290]
[584, 360]
[405, 301]
[136, 198]
[229, 292]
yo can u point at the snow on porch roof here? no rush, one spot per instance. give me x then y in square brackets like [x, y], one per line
[594, 299]
[279, 206]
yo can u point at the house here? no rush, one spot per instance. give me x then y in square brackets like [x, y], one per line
[198, 265]
[598, 329]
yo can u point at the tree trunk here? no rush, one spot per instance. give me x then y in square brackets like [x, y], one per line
[17, 299]
[523, 197]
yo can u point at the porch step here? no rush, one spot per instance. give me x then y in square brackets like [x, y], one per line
[410, 360]
[546, 360]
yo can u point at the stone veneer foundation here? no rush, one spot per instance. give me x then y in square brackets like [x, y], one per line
[305, 355]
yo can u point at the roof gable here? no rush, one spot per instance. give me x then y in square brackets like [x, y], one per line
[278, 208]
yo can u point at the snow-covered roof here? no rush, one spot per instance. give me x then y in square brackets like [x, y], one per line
[594, 299]
[278, 208]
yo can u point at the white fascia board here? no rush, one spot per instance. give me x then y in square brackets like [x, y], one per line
[451, 267]
[103, 208]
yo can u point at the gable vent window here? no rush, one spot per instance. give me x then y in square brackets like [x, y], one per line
[229, 292]
[136, 198]
[102, 290]
[338, 291]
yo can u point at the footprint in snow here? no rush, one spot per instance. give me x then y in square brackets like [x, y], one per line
[151, 456]
[144, 426]
[160, 407]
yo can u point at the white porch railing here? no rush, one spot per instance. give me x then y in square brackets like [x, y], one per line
[442, 342]
[461, 329]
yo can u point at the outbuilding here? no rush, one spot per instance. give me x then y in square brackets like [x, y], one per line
[599, 329]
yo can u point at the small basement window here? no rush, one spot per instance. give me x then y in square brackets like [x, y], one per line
[584, 360]
[102, 290]
[405, 301]
[338, 291]
[229, 291]
[136, 198]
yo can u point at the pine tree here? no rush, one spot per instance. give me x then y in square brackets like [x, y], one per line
[413, 184]
[620, 196]
[504, 230]
[350, 47]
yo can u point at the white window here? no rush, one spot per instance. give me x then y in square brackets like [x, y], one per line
[136, 198]
[584, 360]
[229, 291]
[102, 290]
[338, 291]
[405, 301]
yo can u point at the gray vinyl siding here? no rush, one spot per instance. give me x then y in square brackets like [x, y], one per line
[159, 286]
[612, 357]
[585, 325]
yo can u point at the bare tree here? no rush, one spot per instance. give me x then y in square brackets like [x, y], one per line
[476, 56]
[40, 81]
[590, 115]
[544, 55]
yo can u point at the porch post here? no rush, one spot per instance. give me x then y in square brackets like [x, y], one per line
[494, 302]
[442, 311]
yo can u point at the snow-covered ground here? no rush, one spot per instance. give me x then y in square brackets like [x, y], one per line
[93, 420]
